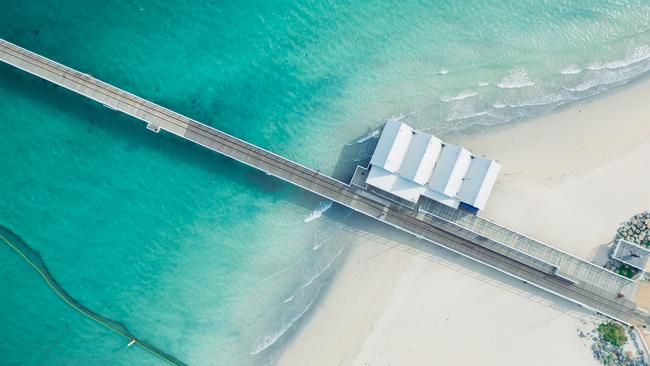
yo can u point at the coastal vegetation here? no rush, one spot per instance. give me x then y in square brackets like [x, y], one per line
[627, 271]
[613, 333]
[607, 347]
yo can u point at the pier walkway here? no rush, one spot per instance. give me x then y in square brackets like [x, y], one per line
[542, 266]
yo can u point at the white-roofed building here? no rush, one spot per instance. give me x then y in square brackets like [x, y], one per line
[394, 184]
[478, 182]
[451, 167]
[392, 146]
[421, 158]
[442, 198]
[410, 164]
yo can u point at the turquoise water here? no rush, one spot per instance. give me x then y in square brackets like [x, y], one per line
[207, 259]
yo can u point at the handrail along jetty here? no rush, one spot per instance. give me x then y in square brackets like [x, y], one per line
[514, 254]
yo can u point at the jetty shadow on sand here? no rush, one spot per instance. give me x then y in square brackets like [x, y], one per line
[600, 254]
[356, 152]
[371, 230]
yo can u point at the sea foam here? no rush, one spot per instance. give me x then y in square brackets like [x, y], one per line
[318, 211]
[460, 116]
[460, 96]
[368, 136]
[518, 78]
[267, 341]
[571, 70]
[639, 54]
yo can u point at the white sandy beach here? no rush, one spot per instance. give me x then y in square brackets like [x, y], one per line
[568, 179]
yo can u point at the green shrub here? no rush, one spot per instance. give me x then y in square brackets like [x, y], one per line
[626, 271]
[613, 333]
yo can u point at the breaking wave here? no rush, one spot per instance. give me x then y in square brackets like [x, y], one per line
[509, 103]
[607, 79]
[325, 268]
[318, 211]
[639, 54]
[267, 341]
[571, 70]
[518, 78]
[460, 96]
[368, 136]
[467, 116]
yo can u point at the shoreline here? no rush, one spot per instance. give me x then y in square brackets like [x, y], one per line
[558, 173]
[572, 161]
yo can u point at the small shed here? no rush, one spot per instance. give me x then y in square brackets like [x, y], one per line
[631, 254]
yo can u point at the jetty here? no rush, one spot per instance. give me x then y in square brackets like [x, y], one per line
[517, 255]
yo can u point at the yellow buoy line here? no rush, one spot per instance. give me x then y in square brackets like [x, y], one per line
[36, 262]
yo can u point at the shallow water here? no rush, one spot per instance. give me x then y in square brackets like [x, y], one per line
[203, 257]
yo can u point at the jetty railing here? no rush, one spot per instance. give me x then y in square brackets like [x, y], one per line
[569, 266]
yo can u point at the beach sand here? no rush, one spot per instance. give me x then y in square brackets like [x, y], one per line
[571, 177]
[568, 178]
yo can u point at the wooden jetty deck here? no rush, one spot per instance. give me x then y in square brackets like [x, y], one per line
[542, 266]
